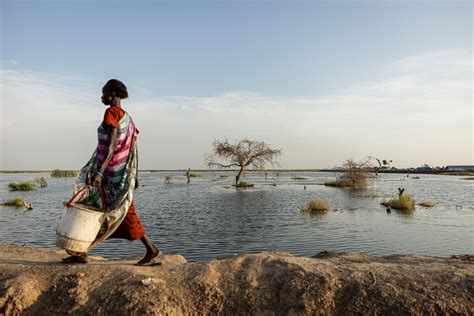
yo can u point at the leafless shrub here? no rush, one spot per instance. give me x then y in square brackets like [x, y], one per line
[356, 174]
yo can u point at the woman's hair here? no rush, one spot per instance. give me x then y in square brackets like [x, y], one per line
[118, 87]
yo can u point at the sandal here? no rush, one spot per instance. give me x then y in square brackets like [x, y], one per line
[150, 261]
[75, 259]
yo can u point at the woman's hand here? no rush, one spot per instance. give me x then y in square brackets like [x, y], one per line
[97, 180]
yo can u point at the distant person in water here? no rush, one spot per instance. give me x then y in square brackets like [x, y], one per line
[107, 169]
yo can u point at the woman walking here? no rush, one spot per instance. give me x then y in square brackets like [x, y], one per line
[112, 170]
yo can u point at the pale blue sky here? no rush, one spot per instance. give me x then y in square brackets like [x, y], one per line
[256, 56]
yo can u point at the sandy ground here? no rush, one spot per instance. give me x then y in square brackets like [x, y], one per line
[33, 281]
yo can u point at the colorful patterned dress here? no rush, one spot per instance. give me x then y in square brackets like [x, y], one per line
[131, 228]
[119, 179]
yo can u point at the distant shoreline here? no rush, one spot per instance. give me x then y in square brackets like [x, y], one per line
[398, 171]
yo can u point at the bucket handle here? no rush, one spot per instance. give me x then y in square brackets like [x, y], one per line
[87, 187]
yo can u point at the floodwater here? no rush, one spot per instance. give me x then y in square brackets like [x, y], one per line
[208, 219]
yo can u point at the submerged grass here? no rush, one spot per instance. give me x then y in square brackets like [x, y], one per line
[195, 175]
[244, 185]
[17, 202]
[300, 178]
[56, 173]
[22, 186]
[403, 203]
[315, 206]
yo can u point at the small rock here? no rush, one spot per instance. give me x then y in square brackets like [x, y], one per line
[149, 281]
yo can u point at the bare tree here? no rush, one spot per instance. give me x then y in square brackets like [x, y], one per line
[245, 153]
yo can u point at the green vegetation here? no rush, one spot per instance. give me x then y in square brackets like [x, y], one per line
[56, 173]
[315, 206]
[22, 186]
[243, 184]
[403, 203]
[17, 202]
[427, 204]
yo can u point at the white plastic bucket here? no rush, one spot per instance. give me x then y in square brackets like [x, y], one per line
[79, 226]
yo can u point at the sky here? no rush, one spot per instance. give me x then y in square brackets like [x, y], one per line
[324, 81]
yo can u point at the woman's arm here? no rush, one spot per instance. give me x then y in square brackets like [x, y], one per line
[108, 158]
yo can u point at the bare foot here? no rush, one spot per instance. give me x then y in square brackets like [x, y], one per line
[150, 255]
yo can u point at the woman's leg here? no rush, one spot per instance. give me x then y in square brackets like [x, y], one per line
[151, 250]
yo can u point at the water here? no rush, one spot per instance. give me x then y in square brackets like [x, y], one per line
[207, 219]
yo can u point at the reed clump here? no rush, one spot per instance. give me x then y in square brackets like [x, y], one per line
[315, 206]
[403, 203]
[16, 202]
[56, 173]
[22, 186]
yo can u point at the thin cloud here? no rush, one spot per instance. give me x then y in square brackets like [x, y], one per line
[415, 106]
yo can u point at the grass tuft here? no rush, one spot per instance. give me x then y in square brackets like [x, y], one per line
[404, 203]
[22, 186]
[315, 206]
[17, 202]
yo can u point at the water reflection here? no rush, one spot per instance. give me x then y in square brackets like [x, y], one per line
[206, 220]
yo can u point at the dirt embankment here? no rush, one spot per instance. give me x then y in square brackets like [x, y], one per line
[32, 281]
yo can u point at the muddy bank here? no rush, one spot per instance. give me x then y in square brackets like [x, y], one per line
[32, 281]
